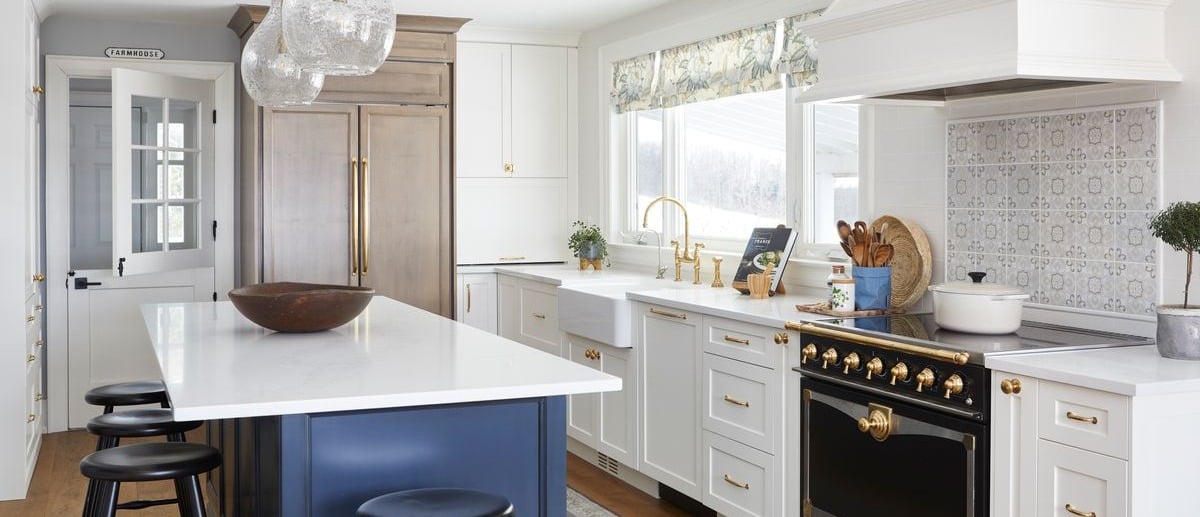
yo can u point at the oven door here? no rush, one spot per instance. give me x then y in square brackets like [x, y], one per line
[868, 455]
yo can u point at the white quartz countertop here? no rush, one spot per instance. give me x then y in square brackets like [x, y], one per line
[1131, 370]
[728, 303]
[217, 364]
[570, 274]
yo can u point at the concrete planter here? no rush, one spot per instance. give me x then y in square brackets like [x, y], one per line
[1179, 332]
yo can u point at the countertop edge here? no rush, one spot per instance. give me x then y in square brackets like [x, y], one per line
[1067, 368]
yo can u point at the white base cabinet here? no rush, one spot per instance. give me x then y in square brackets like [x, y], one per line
[476, 300]
[606, 422]
[529, 313]
[667, 341]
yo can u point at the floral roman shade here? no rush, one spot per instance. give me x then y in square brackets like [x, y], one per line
[633, 83]
[799, 60]
[730, 64]
[749, 60]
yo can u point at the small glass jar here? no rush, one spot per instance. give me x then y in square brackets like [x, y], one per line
[841, 290]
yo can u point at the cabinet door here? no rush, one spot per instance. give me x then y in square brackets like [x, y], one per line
[482, 109]
[511, 220]
[476, 300]
[539, 111]
[406, 212]
[618, 409]
[539, 317]
[1072, 481]
[508, 307]
[395, 82]
[668, 341]
[1014, 445]
[583, 416]
[309, 158]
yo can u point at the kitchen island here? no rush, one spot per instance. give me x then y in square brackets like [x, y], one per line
[315, 424]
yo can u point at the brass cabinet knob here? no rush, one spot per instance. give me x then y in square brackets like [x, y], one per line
[39, 278]
[1010, 386]
[899, 372]
[592, 354]
[39, 397]
[782, 338]
[874, 367]
[924, 379]
[808, 353]
[30, 418]
[829, 357]
[851, 362]
[39, 89]
[509, 168]
[31, 358]
[953, 385]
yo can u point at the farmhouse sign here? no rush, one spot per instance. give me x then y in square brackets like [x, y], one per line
[134, 53]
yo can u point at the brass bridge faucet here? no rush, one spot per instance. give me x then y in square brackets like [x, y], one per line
[681, 256]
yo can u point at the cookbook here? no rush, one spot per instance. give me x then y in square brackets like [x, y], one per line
[767, 246]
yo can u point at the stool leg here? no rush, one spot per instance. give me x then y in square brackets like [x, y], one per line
[165, 404]
[108, 408]
[106, 500]
[176, 437]
[90, 502]
[191, 504]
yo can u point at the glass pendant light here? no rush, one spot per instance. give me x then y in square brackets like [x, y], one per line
[340, 37]
[270, 73]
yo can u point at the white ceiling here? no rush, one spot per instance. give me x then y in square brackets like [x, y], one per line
[541, 15]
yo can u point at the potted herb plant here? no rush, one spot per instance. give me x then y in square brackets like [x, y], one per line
[589, 245]
[1178, 325]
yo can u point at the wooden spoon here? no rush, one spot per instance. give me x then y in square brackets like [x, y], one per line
[883, 254]
[843, 230]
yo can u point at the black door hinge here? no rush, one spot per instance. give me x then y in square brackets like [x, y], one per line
[214, 116]
[214, 229]
[214, 296]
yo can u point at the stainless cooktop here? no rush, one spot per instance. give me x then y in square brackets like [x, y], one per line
[1031, 337]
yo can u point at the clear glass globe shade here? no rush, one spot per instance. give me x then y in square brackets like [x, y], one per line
[340, 37]
[270, 73]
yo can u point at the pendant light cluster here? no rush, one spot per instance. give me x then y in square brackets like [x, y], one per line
[290, 53]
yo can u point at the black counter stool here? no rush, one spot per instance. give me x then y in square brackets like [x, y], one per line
[132, 423]
[437, 502]
[133, 393]
[181, 462]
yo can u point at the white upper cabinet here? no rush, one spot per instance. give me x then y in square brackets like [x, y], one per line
[513, 110]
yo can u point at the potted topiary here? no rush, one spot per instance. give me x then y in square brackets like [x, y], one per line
[589, 245]
[1179, 325]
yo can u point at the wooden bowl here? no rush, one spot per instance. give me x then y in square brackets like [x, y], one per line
[299, 307]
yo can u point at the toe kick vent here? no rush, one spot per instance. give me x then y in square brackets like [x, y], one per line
[607, 463]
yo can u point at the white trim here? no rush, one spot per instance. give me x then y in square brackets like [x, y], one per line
[58, 72]
[477, 34]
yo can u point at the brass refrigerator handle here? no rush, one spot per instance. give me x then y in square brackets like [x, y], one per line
[959, 358]
[354, 216]
[364, 202]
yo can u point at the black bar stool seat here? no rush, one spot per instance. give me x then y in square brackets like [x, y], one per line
[131, 393]
[139, 422]
[178, 461]
[437, 502]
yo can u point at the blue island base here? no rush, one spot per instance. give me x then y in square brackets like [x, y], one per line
[326, 464]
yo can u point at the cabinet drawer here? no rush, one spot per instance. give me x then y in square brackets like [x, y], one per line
[33, 409]
[1086, 481]
[741, 401]
[395, 82]
[740, 480]
[539, 318]
[1086, 418]
[742, 341]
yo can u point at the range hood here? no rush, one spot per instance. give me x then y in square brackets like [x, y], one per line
[936, 50]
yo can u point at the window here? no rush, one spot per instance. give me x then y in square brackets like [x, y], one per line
[742, 162]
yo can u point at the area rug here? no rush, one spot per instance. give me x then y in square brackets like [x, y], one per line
[580, 506]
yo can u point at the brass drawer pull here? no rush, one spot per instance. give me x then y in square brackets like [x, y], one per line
[539, 315]
[781, 338]
[31, 358]
[1078, 512]
[30, 418]
[37, 307]
[668, 314]
[468, 297]
[39, 397]
[512, 258]
[29, 318]
[732, 339]
[736, 402]
[1080, 418]
[39, 342]
[744, 486]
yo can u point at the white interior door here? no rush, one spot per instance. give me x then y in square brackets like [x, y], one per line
[141, 188]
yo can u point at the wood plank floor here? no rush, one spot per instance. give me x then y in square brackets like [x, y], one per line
[58, 488]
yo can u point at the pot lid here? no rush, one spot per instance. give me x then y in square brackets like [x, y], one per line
[976, 286]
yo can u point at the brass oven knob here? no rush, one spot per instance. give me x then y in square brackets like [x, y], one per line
[899, 372]
[808, 353]
[1010, 386]
[953, 385]
[852, 362]
[924, 379]
[829, 357]
[874, 367]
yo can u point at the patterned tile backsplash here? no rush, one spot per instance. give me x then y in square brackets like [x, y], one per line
[1058, 204]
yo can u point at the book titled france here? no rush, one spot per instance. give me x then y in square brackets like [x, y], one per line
[767, 246]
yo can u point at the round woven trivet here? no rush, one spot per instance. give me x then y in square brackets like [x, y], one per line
[912, 260]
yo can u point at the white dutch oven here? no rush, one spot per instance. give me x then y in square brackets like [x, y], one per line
[977, 307]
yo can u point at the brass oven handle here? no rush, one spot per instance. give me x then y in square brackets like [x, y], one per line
[736, 402]
[1080, 418]
[959, 358]
[1078, 512]
[668, 314]
[732, 339]
[729, 479]
[354, 186]
[468, 297]
[364, 202]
